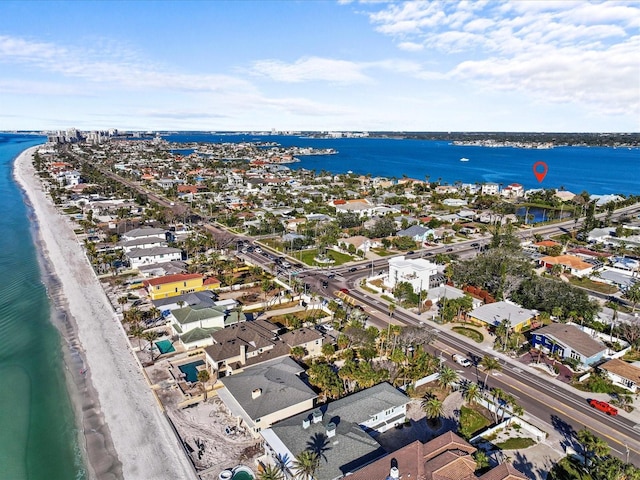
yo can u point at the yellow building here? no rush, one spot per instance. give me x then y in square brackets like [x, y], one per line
[178, 284]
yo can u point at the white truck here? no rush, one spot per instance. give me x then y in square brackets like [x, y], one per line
[460, 360]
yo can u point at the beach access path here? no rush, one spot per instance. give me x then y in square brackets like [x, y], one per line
[126, 434]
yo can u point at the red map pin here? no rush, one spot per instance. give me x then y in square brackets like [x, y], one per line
[540, 170]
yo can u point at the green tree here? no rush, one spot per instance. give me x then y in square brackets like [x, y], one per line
[432, 408]
[489, 364]
[203, 377]
[471, 393]
[270, 472]
[306, 464]
[447, 376]
[633, 295]
[591, 445]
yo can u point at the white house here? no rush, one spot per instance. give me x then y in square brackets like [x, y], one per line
[417, 272]
[490, 189]
[144, 232]
[149, 256]
[627, 375]
[349, 427]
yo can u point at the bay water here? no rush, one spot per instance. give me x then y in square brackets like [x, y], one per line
[598, 170]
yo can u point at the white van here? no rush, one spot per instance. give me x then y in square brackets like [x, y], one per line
[460, 360]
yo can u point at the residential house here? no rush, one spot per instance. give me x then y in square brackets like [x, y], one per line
[264, 394]
[205, 298]
[569, 263]
[492, 314]
[244, 344]
[490, 189]
[446, 291]
[418, 233]
[195, 324]
[454, 202]
[144, 232]
[418, 272]
[150, 256]
[445, 457]
[361, 243]
[142, 243]
[345, 427]
[624, 374]
[308, 338]
[569, 341]
[513, 190]
[174, 285]
[361, 207]
[162, 269]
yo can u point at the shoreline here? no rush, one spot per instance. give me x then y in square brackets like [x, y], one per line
[123, 434]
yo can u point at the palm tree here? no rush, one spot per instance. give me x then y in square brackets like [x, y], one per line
[471, 393]
[270, 472]
[591, 445]
[137, 331]
[447, 376]
[633, 295]
[306, 464]
[203, 377]
[150, 336]
[490, 364]
[481, 458]
[432, 408]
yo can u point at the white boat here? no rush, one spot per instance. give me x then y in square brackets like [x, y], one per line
[463, 159]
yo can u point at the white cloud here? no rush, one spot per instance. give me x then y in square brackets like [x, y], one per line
[555, 51]
[411, 46]
[119, 71]
[311, 69]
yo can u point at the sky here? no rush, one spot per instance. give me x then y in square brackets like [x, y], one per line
[543, 66]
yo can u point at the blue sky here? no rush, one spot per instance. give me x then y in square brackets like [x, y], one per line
[320, 65]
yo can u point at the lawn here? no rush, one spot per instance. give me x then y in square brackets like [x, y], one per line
[304, 315]
[585, 282]
[516, 443]
[472, 421]
[307, 256]
[474, 335]
[382, 252]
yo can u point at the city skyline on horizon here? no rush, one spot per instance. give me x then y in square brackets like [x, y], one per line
[417, 66]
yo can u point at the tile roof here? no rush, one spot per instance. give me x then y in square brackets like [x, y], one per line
[568, 261]
[504, 471]
[179, 277]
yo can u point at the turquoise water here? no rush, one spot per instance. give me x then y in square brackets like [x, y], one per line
[165, 346]
[38, 433]
[191, 371]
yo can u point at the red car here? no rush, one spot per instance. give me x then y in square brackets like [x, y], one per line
[603, 407]
[344, 290]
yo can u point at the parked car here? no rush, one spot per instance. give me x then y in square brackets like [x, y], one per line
[449, 249]
[353, 269]
[603, 407]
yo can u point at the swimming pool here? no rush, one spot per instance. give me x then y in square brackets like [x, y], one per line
[165, 346]
[191, 370]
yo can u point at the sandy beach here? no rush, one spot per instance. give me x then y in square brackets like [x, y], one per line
[126, 435]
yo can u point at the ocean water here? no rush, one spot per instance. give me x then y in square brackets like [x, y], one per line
[598, 170]
[38, 431]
